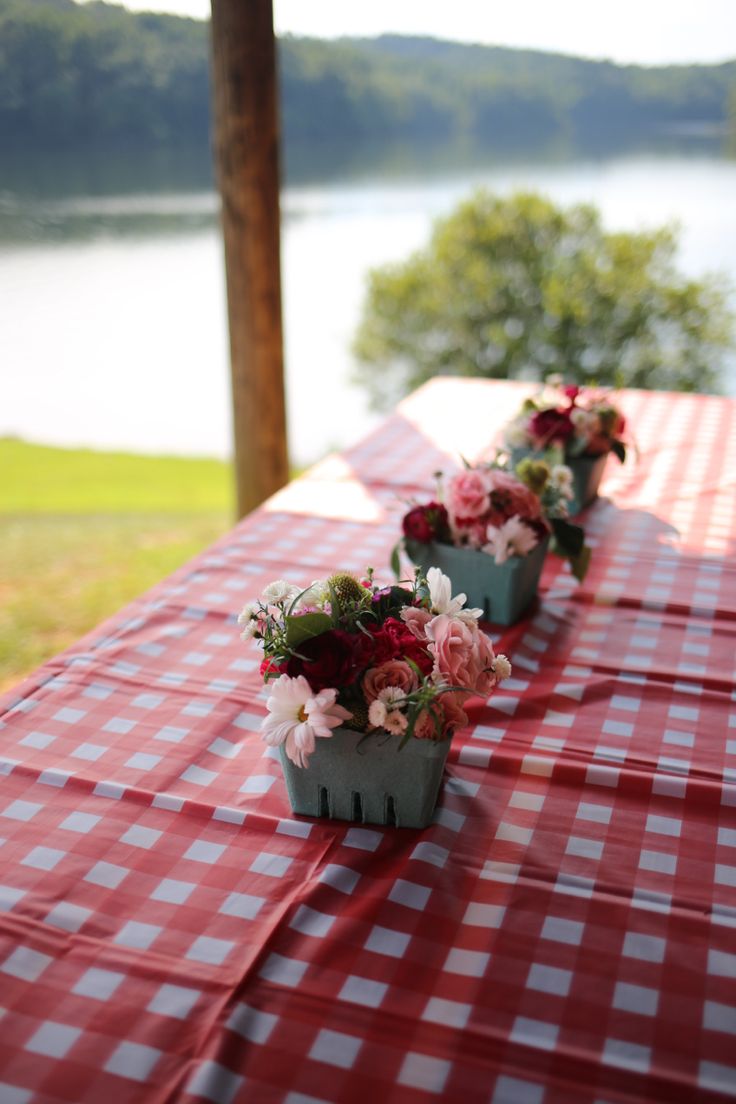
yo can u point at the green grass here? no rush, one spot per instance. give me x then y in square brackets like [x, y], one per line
[38, 479]
[82, 533]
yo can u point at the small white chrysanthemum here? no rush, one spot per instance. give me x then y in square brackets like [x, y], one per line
[501, 667]
[513, 538]
[377, 713]
[395, 722]
[390, 694]
[279, 591]
[248, 617]
[250, 630]
[561, 480]
[248, 613]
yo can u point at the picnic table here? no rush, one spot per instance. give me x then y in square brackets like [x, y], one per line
[563, 933]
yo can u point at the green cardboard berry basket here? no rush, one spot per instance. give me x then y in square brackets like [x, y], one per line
[368, 778]
[502, 591]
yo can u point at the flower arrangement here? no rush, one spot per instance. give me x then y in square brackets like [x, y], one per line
[500, 512]
[347, 653]
[568, 422]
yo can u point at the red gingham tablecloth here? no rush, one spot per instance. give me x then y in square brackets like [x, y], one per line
[564, 932]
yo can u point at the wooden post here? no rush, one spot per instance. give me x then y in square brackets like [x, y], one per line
[247, 154]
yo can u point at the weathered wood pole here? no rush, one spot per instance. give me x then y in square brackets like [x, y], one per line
[245, 96]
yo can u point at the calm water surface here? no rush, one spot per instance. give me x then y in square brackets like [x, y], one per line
[114, 333]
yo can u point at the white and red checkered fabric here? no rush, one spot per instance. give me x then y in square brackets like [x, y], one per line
[564, 932]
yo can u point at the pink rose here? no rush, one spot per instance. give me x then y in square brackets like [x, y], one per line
[468, 494]
[452, 645]
[394, 672]
[510, 497]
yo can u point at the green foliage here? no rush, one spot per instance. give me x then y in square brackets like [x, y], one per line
[73, 75]
[82, 533]
[518, 287]
[41, 479]
[83, 76]
[60, 575]
[304, 627]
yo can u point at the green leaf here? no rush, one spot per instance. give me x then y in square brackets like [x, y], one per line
[580, 563]
[618, 448]
[409, 729]
[415, 668]
[305, 627]
[335, 605]
[395, 561]
[570, 538]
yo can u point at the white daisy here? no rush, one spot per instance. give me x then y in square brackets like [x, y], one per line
[297, 715]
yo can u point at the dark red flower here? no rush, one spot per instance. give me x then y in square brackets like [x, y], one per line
[373, 648]
[406, 645]
[548, 426]
[391, 640]
[426, 523]
[327, 661]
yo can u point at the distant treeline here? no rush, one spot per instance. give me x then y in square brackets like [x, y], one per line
[97, 75]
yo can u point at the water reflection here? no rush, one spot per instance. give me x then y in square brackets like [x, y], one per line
[73, 197]
[121, 259]
[37, 176]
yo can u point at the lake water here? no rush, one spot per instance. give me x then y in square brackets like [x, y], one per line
[113, 329]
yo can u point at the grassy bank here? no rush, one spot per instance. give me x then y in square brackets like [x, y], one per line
[82, 533]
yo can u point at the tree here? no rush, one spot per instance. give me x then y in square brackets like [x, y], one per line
[517, 288]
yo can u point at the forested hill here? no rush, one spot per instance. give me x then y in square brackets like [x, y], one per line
[97, 75]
